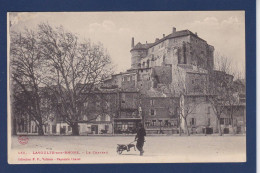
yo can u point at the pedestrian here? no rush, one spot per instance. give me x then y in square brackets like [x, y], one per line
[140, 138]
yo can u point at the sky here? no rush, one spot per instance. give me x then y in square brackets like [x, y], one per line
[225, 30]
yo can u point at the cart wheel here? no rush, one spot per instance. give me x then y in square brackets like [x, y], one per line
[119, 151]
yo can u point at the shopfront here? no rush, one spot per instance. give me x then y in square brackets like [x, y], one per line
[126, 126]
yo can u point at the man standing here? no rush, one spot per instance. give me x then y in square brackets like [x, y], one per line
[140, 138]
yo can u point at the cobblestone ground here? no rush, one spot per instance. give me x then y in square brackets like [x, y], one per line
[102, 149]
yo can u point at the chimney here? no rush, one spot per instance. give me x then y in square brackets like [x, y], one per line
[196, 33]
[133, 42]
[146, 42]
[173, 29]
[157, 39]
[163, 35]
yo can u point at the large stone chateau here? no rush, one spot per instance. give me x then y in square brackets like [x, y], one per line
[175, 70]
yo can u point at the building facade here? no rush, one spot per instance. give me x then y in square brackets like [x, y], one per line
[172, 76]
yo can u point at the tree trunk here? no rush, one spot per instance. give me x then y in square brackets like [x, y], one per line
[186, 126]
[40, 127]
[180, 130]
[40, 130]
[232, 124]
[179, 126]
[75, 129]
[113, 131]
[219, 127]
[233, 127]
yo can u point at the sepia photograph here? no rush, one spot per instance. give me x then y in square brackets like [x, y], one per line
[126, 87]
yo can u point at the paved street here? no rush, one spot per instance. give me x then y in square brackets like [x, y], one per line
[102, 149]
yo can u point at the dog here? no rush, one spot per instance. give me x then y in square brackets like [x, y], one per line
[127, 147]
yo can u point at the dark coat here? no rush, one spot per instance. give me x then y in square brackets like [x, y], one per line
[140, 135]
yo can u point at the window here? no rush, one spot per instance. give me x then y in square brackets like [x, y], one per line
[193, 99]
[152, 102]
[153, 122]
[147, 123]
[123, 98]
[166, 123]
[85, 117]
[98, 118]
[235, 122]
[152, 112]
[192, 81]
[221, 121]
[118, 125]
[160, 122]
[227, 121]
[193, 121]
[208, 121]
[69, 128]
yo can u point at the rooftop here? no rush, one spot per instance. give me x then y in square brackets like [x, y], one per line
[181, 33]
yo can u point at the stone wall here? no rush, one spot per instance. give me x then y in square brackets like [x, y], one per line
[196, 83]
[162, 74]
[129, 82]
[201, 53]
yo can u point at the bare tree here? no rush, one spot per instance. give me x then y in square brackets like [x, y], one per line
[27, 74]
[235, 90]
[221, 91]
[75, 67]
[187, 107]
[222, 63]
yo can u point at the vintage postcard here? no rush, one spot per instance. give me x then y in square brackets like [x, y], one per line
[126, 87]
